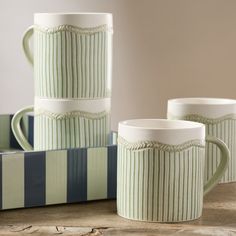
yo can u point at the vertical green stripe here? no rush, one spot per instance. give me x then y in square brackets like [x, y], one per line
[103, 65]
[83, 70]
[106, 64]
[64, 65]
[177, 174]
[157, 185]
[87, 66]
[171, 186]
[68, 64]
[97, 173]
[79, 59]
[55, 67]
[96, 75]
[5, 132]
[99, 64]
[74, 65]
[233, 153]
[59, 64]
[50, 71]
[91, 63]
[12, 184]
[56, 177]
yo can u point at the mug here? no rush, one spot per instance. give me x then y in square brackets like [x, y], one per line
[66, 123]
[160, 169]
[72, 60]
[219, 117]
[72, 54]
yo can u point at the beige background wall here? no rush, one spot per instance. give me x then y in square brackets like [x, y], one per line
[162, 49]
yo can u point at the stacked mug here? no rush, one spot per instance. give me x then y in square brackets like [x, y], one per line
[72, 70]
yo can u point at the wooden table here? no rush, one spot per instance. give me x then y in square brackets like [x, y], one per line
[99, 218]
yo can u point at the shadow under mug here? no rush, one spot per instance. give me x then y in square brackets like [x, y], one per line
[160, 169]
[65, 124]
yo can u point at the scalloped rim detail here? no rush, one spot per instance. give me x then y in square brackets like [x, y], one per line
[71, 114]
[160, 146]
[74, 29]
[206, 120]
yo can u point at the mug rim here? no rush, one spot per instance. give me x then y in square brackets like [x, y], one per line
[72, 13]
[203, 101]
[162, 124]
[79, 19]
[172, 132]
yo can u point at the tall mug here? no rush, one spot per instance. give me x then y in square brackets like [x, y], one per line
[72, 61]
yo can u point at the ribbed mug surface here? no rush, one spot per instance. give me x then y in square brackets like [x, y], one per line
[160, 182]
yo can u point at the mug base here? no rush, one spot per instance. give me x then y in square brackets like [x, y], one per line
[162, 222]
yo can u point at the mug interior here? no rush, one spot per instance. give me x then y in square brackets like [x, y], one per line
[171, 132]
[71, 13]
[202, 101]
[160, 124]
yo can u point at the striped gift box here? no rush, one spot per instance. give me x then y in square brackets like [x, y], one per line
[31, 179]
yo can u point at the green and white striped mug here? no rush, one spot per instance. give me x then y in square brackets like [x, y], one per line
[219, 117]
[72, 60]
[160, 169]
[66, 123]
[72, 54]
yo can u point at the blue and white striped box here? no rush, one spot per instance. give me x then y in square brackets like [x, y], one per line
[30, 179]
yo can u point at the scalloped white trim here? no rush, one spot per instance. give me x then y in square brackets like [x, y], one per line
[205, 120]
[74, 29]
[160, 146]
[72, 114]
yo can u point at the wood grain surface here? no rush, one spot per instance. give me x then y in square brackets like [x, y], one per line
[99, 218]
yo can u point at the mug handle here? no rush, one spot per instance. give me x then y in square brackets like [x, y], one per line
[225, 154]
[26, 46]
[16, 129]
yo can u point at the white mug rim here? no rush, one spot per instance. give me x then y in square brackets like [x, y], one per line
[204, 106]
[79, 19]
[203, 101]
[72, 13]
[187, 131]
[186, 124]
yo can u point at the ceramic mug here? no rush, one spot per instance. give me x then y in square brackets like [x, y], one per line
[66, 123]
[72, 70]
[219, 117]
[72, 55]
[160, 169]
